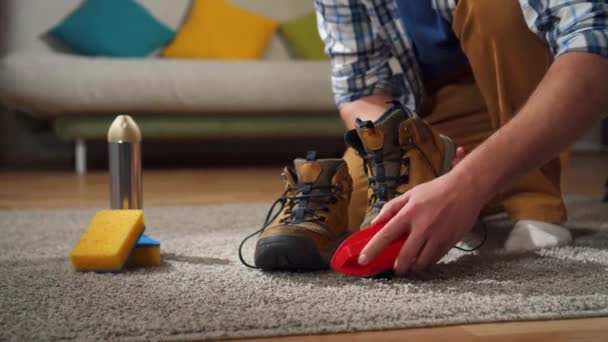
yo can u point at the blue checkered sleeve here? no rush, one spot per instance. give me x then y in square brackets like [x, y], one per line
[357, 49]
[570, 25]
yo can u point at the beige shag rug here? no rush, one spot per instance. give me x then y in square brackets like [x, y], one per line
[201, 291]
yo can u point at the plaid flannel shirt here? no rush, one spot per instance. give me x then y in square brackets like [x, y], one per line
[362, 36]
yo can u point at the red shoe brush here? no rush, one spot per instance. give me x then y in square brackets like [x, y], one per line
[345, 259]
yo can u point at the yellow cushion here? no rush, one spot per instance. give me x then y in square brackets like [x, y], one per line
[220, 30]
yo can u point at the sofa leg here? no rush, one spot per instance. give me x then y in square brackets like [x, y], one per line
[80, 149]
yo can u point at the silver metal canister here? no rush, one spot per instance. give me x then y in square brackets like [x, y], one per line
[124, 144]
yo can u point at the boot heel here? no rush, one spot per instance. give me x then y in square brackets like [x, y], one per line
[450, 154]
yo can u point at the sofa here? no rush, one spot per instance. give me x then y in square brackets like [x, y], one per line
[276, 96]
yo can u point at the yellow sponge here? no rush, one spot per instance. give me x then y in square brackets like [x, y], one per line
[146, 253]
[108, 240]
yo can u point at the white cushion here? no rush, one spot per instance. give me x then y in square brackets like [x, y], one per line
[60, 83]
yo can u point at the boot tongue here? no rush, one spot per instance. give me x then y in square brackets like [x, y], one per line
[380, 141]
[383, 133]
[317, 172]
[312, 174]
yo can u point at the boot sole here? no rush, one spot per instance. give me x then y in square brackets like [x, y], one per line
[290, 253]
[450, 154]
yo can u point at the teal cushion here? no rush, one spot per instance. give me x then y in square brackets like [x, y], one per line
[113, 28]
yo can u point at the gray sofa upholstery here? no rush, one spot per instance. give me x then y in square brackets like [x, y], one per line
[44, 81]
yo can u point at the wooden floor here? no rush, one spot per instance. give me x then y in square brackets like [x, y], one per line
[585, 174]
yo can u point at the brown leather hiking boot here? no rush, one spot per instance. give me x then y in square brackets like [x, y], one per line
[400, 151]
[313, 220]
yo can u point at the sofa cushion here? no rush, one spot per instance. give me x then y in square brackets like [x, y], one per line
[24, 21]
[114, 28]
[50, 83]
[303, 38]
[219, 30]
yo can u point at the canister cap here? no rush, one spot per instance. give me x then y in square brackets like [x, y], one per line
[124, 129]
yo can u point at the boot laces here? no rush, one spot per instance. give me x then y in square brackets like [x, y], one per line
[381, 184]
[297, 211]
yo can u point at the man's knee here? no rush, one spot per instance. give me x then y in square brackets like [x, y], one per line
[488, 18]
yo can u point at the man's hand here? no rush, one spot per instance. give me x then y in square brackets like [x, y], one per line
[436, 215]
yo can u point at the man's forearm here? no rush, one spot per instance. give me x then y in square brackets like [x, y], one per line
[366, 108]
[570, 99]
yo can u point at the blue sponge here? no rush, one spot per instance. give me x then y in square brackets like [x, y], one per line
[146, 241]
